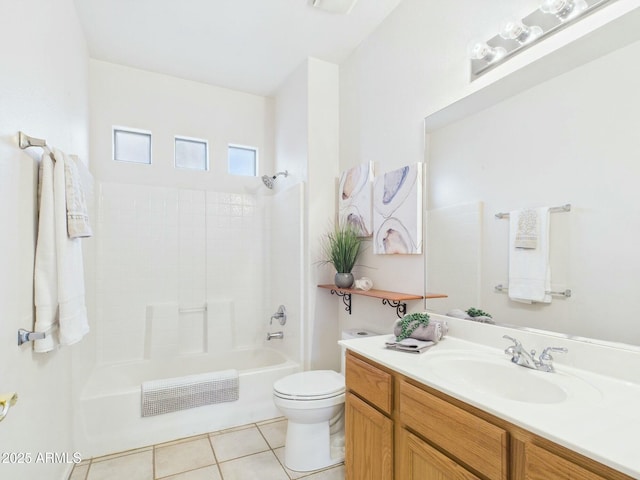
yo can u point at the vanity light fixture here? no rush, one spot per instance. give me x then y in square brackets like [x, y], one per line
[563, 9]
[516, 35]
[483, 51]
[514, 29]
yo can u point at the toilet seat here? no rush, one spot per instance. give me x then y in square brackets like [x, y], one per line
[310, 385]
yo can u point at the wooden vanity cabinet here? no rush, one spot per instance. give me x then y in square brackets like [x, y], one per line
[368, 424]
[399, 428]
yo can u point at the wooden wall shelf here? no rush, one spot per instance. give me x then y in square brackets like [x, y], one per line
[393, 299]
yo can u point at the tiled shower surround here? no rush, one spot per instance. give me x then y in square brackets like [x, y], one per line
[166, 248]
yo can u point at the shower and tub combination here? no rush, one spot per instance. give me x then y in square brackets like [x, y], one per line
[165, 317]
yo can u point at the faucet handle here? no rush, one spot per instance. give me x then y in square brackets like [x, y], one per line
[545, 355]
[515, 341]
[545, 362]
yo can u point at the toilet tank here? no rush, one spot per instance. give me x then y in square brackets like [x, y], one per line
[348, 335]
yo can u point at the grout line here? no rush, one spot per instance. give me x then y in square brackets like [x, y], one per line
[215, 457]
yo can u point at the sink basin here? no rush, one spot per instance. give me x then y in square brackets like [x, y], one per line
[498, 377]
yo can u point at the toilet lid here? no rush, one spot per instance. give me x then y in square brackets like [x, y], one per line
[311, 384]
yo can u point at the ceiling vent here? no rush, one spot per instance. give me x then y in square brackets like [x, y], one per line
[334, 6]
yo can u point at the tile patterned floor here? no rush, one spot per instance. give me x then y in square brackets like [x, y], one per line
[254, 451]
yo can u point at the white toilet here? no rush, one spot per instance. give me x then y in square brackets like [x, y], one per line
[313, 403]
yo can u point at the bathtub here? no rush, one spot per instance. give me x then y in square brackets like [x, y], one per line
[108, 419]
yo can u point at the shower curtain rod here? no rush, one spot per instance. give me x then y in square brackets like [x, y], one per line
[563, 208]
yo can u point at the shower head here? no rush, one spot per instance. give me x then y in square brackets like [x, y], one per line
[269, 181]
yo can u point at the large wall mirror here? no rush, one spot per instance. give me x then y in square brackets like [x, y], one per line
[574, 139]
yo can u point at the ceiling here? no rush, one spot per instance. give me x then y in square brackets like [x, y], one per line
[247, 45]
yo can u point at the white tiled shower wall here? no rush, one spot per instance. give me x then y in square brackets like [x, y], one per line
[186, 248]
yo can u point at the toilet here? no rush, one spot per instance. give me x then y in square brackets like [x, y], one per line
[313, 403]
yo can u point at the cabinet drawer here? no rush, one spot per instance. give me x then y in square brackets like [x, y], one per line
[539, 464]
[475, 442]
[370, 383]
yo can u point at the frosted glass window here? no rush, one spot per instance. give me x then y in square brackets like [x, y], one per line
[191, 153]
[243, 160]
[131, 146]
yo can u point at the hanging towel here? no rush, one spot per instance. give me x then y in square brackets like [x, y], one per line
[527, 229]
[77, 213]
[529, 271]
[46, 267]
[59, 274]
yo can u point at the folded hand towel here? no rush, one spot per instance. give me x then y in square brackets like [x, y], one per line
[527, 229]
[529, 271]
[77, 213]
[411, 345]
[432, 332]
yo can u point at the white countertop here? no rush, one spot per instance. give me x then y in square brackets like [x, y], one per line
[603, 425]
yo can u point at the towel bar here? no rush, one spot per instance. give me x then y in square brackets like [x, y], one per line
[27, 336]
[565, 293]
[563, 208]
[25, 141]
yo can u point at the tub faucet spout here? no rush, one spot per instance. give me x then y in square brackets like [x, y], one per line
[275, 335]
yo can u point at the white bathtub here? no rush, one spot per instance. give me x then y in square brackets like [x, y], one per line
[109, 417]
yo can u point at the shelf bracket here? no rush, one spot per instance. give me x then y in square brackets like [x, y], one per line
[401, 307]
[346, 299]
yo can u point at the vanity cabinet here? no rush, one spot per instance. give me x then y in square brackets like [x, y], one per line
[368, 407]
[399, 428]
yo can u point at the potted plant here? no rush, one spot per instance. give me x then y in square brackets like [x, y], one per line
[341, 248]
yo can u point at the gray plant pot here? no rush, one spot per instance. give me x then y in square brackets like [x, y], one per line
[343, 280]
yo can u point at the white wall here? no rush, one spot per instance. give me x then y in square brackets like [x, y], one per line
[169, 106]
[415, 63]
[307, 145]
[43, 91]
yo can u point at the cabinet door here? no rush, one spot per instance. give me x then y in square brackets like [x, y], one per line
[540, 464]
[368, 442]
[420, 461]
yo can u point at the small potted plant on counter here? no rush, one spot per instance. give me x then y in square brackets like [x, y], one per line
[341, 248]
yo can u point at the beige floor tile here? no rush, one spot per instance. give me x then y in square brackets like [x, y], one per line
[207, 473]
[183, 456]
[261, 466]
[275, 433]
[334, 473]
[296, 475]
[238, 443]
[135, 466]
[79, 472]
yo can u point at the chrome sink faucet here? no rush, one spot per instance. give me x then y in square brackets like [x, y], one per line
[521, 357]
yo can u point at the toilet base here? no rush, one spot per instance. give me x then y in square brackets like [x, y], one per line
[312, 446]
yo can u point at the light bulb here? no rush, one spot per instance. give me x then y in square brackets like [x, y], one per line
[518, 31]
[483, 51]
[563, 9]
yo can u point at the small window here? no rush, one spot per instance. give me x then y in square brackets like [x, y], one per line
[191, 153]
[243, 160]
[131, 145]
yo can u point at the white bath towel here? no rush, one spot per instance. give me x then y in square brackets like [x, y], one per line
[59, 271]
[76, 177]
[529, 270]
[46, 266]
